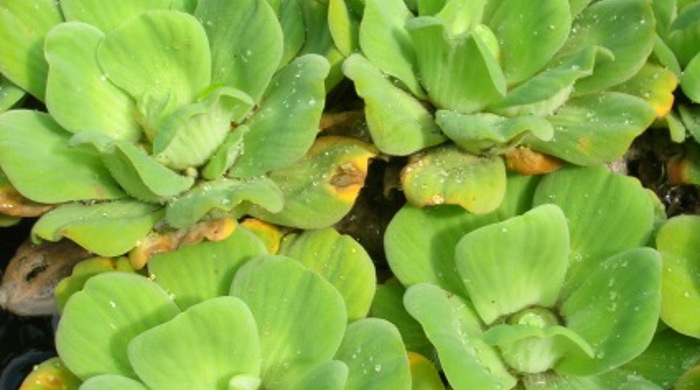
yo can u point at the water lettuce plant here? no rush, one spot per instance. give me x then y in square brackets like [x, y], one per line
[489, 76]
[162, 114]
[556, 289]
[226, 315]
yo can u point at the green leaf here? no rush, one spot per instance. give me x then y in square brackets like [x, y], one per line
[454, 329]
[139, 174]
[448, 175]
[330, 375]
[321, 188]
[683, 38]
[388, 305]
[10, 94]
[339, 259]
[23, 26]
[300, 316]
[78, 95]
[690, 118]
[245, 39]
[82, 272]
[459, 16]
[386, 43]
[545, 92]
[596, 128]
[668, 356]
[655, 84]
[196, 273]
[50, 373]
[529, 271]
[227, 154]
[442, 60]
[223, 195]
[99, 322]
[614, 312]
[65, 174]
[218, 339]
[373, 350]
[615, 379]
[664, 55]
[677, 242]
[528, 36]
[284, 127]
[429, 259]
[108, 16]
[343, 26]
[194, 132]
[429, 7]
[294, 31]
[112, 382]
[168, 62]
[398, 123]
[606, 214]
[120, 223]
[690, 83]
[485, 132]
[625, 27]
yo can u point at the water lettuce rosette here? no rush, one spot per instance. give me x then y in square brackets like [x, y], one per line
[165, 114]
[488, 76]
[556, 289]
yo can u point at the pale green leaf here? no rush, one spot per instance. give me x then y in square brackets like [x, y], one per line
[454, 328]
[217, 339]
[375, 355]
[485, 132]
[245, 39]
[65, 174]
[195, 273]
[227, 154]
[546, 91]
[341, 260]
[108, 15]
[677, 242]
[223, 195]
[386, 43]
[329, 375]
[120, 225]
[300, 316]
[23, 26]
[615, 312]
[460, 16]
[431, 258]
[528, 271]
[285, 124]
[112, 382]
[343, 26]
[398, 123]
[596, 128]
[668, 356]
[615, 379]
[606, 214]
[690, 83]
[194, 132]
[625, 27]
[448, 175]
[10, 94]
[139, 174]
[78, 95]
[442, 60]
[388, 305]
[529, 36]
[320, 189]
[99, 322]
[161, 59]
